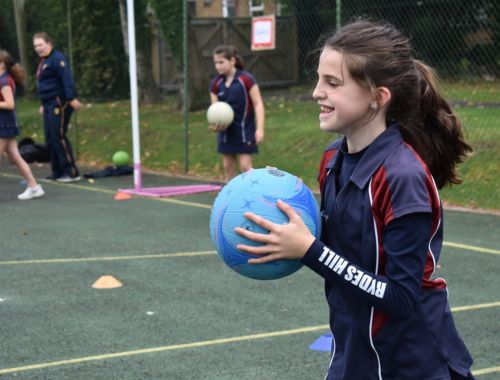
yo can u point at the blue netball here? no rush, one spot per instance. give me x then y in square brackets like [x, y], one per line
[258, 191]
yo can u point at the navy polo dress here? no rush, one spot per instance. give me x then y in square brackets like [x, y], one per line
[9, 127]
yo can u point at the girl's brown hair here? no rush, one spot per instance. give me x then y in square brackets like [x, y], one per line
[229, 51]
[379, 55]
[15, 70]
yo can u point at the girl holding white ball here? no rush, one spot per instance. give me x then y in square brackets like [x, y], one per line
[237, 87]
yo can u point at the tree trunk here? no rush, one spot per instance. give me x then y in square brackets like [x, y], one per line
[149, 92]
[22, 35]
[123, 23]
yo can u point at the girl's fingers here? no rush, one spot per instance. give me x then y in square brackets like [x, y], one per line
[216, 127]
[260, 250]
[262, 260]
[266, 224]
[254, 236]
[287, 209]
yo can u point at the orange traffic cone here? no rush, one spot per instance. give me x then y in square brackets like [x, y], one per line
[106, 282]
[122, 196]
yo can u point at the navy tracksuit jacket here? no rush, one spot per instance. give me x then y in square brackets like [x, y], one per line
[56, 89]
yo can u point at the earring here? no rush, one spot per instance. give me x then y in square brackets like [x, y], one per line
[374, 106]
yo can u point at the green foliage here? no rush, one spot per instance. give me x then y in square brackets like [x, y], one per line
[8, 39]
[170, 14]
[100, 63]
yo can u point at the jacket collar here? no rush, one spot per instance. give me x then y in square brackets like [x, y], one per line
[374, 156]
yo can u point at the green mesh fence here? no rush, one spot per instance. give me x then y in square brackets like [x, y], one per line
[459, 38]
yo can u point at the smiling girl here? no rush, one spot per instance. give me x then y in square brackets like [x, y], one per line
[382, 216]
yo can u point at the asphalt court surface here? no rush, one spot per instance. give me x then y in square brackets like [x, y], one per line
[181, 314]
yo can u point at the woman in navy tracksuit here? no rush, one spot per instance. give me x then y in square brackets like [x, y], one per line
[382, 217]
[239, 89]
[57, 93]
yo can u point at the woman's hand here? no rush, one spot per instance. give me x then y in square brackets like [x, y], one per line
[75, 103]
[284, 241]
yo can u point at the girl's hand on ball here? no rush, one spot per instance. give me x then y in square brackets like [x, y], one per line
[284, 241]
[216, 128]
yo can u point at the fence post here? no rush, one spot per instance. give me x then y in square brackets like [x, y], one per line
[338, 15]
[71, 63]
[185, 70]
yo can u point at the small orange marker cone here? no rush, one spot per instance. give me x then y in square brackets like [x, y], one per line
[122, 196]
[106, 282]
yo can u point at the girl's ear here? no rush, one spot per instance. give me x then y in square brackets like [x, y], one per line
[382, 96]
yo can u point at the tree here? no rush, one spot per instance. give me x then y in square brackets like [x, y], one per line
[22, 33]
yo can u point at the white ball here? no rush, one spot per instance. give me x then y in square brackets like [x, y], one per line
[220, 113]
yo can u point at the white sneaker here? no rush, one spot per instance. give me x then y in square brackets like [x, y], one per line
[31, 192]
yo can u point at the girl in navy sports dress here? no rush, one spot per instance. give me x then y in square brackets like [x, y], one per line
[382, 218]
[239, 89]
[10, 74]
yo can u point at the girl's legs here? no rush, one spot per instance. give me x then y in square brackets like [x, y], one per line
[245, 162]
[10, 146]
[3, 145]
[229, 164]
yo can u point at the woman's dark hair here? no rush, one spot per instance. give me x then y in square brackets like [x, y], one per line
[378, 55]
[44, 36]
[229, 51]
[15, 70]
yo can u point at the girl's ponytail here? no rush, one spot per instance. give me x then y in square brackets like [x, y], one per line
[441, 142]
[17, 72]
[240, 62]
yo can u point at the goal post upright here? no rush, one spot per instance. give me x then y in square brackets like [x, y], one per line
[165, 191]
[134, 103]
